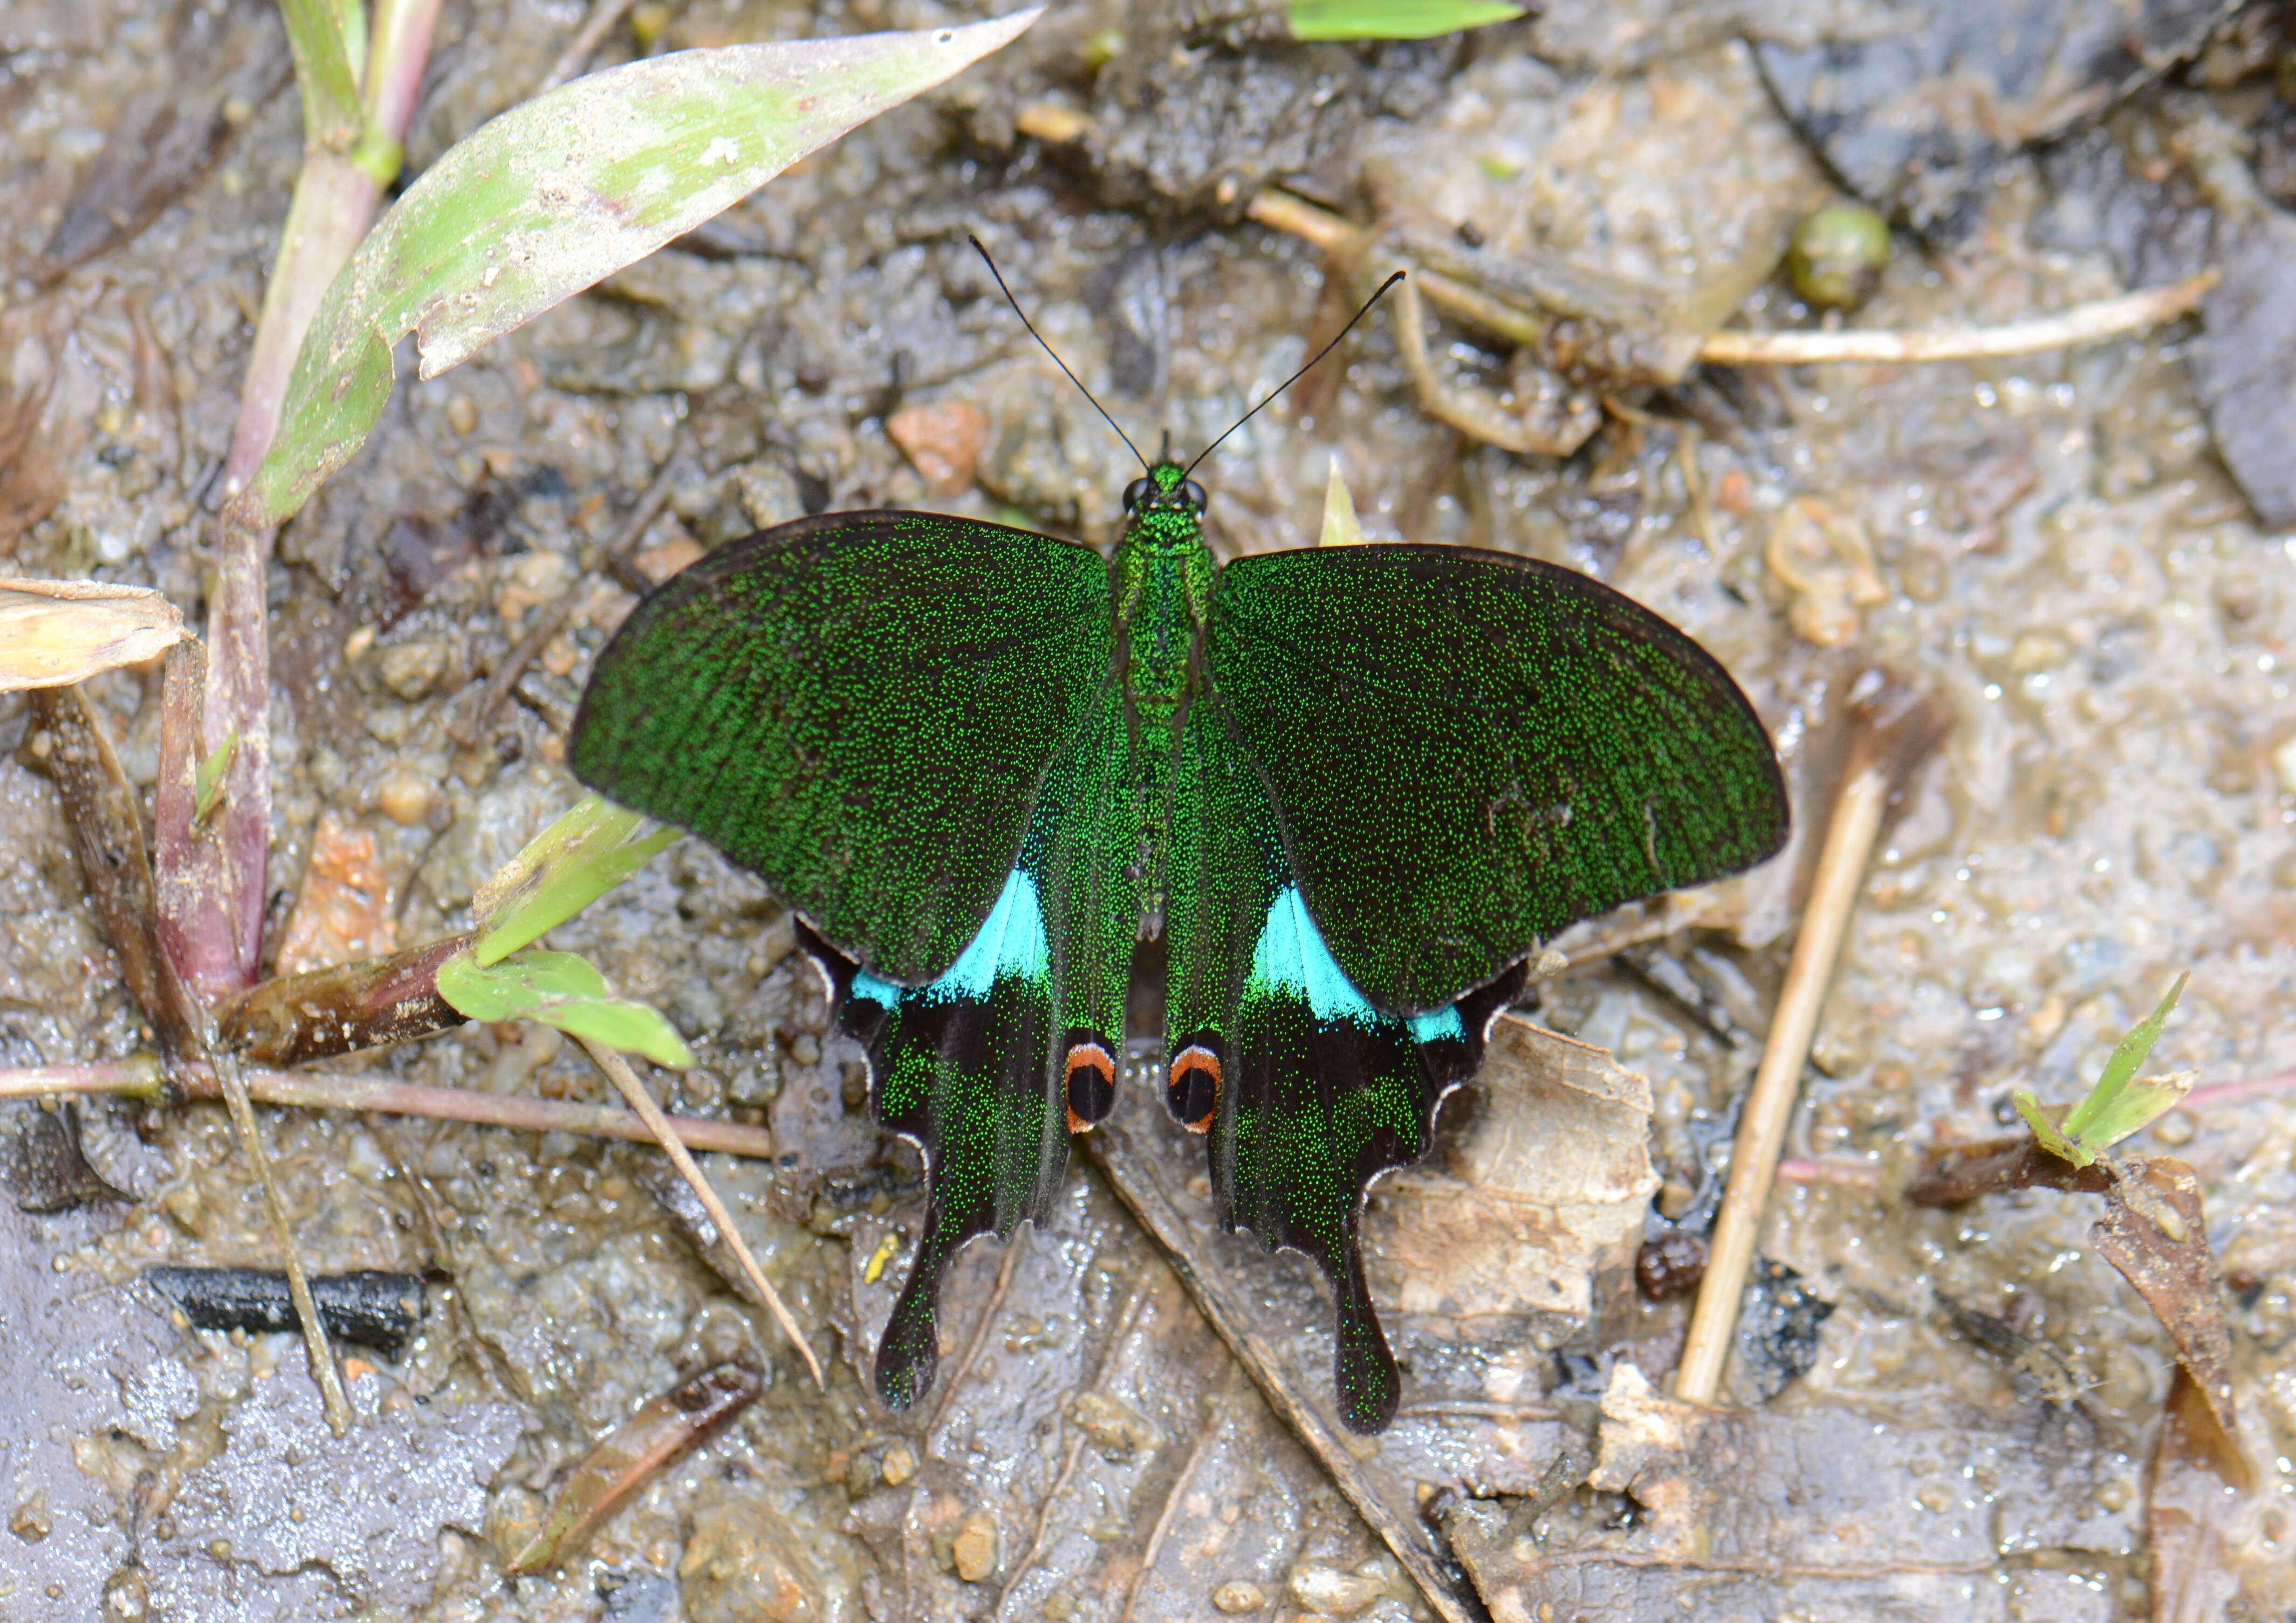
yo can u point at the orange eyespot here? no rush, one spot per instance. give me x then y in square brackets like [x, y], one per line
[1090, 1075]
[1191, 1089]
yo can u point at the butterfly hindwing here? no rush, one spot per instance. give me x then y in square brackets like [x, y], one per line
[990, 1066]
[1467, 750]
[862, 709]
[1306, 1091]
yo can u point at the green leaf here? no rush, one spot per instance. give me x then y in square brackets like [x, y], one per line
[328, 40]
[2137, 1107]
[207, 778]
[563, 990]
[2052, 1137]
[562, 871]
[566, 189]
[1392, 19]
[2106, 1104]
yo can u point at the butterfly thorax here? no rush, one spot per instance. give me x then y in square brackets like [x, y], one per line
[1163, 578]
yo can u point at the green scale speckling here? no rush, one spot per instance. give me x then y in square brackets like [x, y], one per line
[1350, 789]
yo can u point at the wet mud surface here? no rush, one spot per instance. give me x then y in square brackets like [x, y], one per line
[2082, 554]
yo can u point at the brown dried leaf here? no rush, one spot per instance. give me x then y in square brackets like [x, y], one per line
[343, 910]
[54, 632]
[2154, 1231]
[2197, 1478]
[108, 837]
[1538, 1207]
[622, 1460]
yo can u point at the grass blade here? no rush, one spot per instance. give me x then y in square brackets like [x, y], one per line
[563, 870]
[562, 191]
[1392, 19]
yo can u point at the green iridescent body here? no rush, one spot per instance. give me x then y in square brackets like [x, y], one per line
[1337, 795]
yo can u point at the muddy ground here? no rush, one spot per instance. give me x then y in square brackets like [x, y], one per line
[2085, 555]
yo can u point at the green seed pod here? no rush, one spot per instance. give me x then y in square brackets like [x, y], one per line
[1836, 260]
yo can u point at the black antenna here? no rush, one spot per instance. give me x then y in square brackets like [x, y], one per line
[1296, 376]
[1062, 364]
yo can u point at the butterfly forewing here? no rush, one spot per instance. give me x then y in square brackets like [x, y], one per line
[1467, 751]
[861, 709]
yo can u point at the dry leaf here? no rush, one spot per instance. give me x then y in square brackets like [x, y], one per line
[1538, 1207]
[54, 632]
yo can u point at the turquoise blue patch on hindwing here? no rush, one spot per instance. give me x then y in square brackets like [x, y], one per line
[991, 1065]
[1307, 1093]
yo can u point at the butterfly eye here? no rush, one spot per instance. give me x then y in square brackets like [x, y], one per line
[1192, 494]
[1136, 493]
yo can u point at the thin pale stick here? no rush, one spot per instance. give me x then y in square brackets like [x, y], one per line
[299, 1284]
[603, 15]
[618, 1071]
[142, 1077]
[2083, 324]
[1850, 836]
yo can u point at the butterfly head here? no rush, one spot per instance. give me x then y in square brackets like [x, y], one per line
[1166, 489]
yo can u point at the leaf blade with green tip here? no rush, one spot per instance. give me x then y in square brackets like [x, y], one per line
[563, 990]
[560, 192]
[585, 853]
[1392, 19]
[2104, 1100]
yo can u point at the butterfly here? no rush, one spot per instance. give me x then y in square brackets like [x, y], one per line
[1332, 798]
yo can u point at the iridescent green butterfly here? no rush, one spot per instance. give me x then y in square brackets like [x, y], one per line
[1337, 795]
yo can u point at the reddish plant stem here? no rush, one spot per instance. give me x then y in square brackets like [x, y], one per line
[218, 874]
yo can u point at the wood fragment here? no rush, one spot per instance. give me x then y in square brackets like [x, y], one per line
[1897, 728]
[626, 1457]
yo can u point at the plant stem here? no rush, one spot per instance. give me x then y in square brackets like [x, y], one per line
[299, 1284]
[617, 1070]
[142, 1077]
[224, 867]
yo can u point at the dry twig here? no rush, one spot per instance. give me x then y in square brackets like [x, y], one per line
[144, 1078]
[617, 1070]
[1897, 730]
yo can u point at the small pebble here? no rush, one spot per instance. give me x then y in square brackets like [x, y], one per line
[1327, 1589]
[943, 440]
[1238, 1597]
[403, 796]
[413, 669]
[899, 1464]
[462, 415]
[976, 1547]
